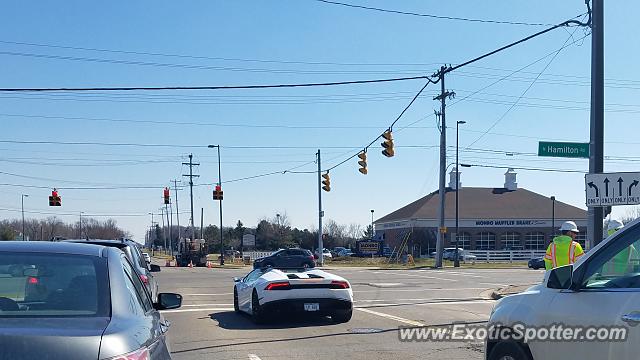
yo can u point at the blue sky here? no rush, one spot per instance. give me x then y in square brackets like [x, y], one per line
[287, 41]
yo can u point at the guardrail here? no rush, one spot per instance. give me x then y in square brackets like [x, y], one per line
[506, 256]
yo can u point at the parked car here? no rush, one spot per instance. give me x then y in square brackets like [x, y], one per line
[325, 254]
[77, 302]
[464, 255]
[337, 250]
[268, 292]
[599, 292]
[132, 251]
[346, 253]
[286, 258]
[536, 263]
[147, 258]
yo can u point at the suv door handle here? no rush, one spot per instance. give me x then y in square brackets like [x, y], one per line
[632, 318]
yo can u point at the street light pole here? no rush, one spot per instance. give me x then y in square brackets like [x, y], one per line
[22, 201]
[220, 200]
[553, 216]
[456, 260]
[372, 232]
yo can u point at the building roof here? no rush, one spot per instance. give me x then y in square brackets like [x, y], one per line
[482, 203]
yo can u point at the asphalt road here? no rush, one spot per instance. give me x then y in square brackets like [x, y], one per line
[207, 328]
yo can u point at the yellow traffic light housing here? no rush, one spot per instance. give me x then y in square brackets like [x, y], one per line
[388, 144]
[326, 182]
[363, 163]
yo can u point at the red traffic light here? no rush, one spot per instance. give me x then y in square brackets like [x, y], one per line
[166, 195]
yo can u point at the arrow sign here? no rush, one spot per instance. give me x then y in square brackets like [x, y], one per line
[635, 183]
[606, 193]
[620, 181]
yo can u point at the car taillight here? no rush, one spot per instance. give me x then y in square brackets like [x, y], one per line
[339, 284]
[33, 281]
[140, 354]
[144, 279]
[280, 285]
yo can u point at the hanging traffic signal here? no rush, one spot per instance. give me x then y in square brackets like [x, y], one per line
[166, 196]
[217, 193]
[326, 182]
[363, 162]
[54, 199]
[388, 144]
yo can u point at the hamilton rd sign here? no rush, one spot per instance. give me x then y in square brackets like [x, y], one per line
[612, 189]
[563, 149]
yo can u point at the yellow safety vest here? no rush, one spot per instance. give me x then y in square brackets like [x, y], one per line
[562, 251]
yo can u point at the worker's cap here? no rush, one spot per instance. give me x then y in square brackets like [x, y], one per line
[615, 225]
[569, 226]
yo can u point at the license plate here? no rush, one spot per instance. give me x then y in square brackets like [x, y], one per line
[312, 307]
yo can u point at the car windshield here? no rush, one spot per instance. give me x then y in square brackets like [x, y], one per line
[52, 285]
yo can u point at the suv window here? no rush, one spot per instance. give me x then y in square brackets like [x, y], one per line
[53, 285]
[617, 265]
[135, 286]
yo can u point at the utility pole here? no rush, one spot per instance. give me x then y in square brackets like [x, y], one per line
[22, 198]
[175, 189]
[171, 229]
[191, 176]
[164, 231]
[320, 212]
[596, 154]
[220, 203]
[80, 224]
[151, 231]
[443, 162]
[166, 210]
[201, 223]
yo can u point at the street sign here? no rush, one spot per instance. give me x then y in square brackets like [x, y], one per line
[249, 240]
[612, 189]
[563, 149]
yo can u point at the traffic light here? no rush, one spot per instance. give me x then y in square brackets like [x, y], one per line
[217, 193]
[326, 182]
[363, 162]
[388, 144]
[166, 196]
[55, 199]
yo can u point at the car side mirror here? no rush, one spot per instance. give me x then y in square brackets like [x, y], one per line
[561, 278]
[154, 268]
[168, 301]
[236, 279]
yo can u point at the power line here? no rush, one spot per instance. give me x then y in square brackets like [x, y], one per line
[528, 168]
[524, 92]
[441, 17]
[224, 87]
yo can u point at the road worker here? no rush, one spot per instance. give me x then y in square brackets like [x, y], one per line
[564, 250]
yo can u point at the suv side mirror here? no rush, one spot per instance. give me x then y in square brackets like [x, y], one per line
[561, 278]
[154, 268]
[236, 279]
[168, 301]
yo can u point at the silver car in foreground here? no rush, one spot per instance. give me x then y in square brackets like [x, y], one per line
[77, 301]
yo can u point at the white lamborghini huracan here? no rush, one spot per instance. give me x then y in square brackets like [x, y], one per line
[265, 293]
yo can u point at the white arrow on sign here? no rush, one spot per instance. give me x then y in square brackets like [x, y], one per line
[612, 189]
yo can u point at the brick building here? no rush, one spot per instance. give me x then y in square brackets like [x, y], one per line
[507, 217]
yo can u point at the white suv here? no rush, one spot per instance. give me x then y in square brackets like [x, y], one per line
[599, 292]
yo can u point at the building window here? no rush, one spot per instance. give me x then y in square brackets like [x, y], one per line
[582, 239]
[486, 241]
[511, 241]
[464, 240]
[534, 241]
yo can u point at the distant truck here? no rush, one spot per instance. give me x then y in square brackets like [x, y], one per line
[191, 252]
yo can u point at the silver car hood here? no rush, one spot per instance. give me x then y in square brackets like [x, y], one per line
[51, 338]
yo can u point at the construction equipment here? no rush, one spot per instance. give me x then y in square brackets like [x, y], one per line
[191, 252]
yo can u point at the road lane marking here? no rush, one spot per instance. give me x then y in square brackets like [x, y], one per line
[392, 317]
[254, 357]
[429, 303]
[423, 299]
[195, 305]
[192, 310]
[417, 290]
[219, 294]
